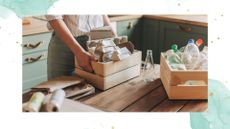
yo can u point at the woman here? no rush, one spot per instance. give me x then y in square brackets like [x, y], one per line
[69, 32]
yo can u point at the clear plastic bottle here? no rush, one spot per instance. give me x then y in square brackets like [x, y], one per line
[190, 55]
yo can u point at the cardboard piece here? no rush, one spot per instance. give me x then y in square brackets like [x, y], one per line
[59, 83]
[101, 33]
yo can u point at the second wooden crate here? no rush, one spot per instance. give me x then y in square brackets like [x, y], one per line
[171, 78]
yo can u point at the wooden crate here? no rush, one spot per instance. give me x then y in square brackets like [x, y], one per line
[109, 81]
[108, 68]
[171, 78]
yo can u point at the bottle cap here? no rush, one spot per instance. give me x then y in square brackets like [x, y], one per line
[174, 47]
[191, 41]
[199, 42]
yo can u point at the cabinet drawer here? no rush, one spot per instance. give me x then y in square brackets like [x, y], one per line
[35, 43]
[126, 27]
[34, 57]
[34, 69]
[27, 84]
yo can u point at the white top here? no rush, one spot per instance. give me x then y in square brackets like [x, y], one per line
[79, 24]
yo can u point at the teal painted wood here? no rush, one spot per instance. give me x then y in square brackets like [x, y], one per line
[39, 56]
[39, 42]
[150, 38]
[131, 28]
[174, 33]
[34, 72]
[33, 82]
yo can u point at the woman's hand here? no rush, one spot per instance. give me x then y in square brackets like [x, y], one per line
[84, 60]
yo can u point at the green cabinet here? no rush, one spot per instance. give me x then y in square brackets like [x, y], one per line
[176, 33]
[159, 35]
[131, 28]
[34, 59]
[150, 37]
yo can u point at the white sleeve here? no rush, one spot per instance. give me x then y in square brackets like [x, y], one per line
[53, 17]
[50, 18]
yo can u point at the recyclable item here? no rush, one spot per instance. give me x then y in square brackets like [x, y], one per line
[107, 68]
[199, 42]
[80, 91]
[106, 42]
[120, 40]
[148, 69]
[92, 43]
[124, 39]
[120, 54]
[174, 47]
[97, 54]
[91, 50]
[101, 33]
[106, 49]
[116, 40]
[129, 45]
[202, 63]
[172, 57]
[190, 55]
[178, 66]
[107, 57]
[205, 51]
[56, 100]
[34, 103]
[58, 83]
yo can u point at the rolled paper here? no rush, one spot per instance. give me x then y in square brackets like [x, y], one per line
[34, 103]
[56, 101]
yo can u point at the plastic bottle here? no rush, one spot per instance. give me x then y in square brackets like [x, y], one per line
[174, 58]
[199, 42]
[173, 55]
[190, 55]
[174, 47]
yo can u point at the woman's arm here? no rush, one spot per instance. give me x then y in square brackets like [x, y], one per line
[107, 23]
[84, 58]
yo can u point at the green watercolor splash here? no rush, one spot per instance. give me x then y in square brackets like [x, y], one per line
[24, 8]
[218, 114]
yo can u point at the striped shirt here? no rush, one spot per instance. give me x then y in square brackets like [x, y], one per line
[79, 24]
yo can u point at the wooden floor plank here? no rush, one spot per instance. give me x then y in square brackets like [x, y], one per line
[146, 103]
[120, 97]
[169, 106]
[195, 106]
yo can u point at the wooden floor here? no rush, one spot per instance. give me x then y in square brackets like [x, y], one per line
[137, 96]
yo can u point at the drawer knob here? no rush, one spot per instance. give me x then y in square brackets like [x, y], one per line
[32, 59]
[186, 29]
[130, 25]
[33, 46]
